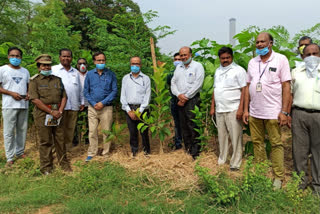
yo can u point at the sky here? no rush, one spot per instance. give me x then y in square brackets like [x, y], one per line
[197, 19]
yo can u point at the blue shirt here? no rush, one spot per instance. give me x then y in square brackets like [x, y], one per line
[100, 88]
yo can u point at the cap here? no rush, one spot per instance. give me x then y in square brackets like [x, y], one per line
[44, 59]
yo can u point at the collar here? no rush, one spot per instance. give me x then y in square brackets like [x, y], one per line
[139, 75]
[45, 77]
[190, 65]
[105, 70]
[62, 68]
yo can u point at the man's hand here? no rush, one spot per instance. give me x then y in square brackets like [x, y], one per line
[98, 106]
[56, 114]
[245, 117]
[132, 115]
[239, 114]
[16, 96]
[212, 111]
[27, 96]
[81, 107]
[282, 119]
[289, 121]
[182, 98]
[180, 103]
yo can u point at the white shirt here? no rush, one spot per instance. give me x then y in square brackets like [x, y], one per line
[72, 85]
[227, 85]
[82, 78]
[306, 91]
[187, 80]
[135, 91]
[15, 80]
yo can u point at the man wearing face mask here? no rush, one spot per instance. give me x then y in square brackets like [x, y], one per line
[174, 107]
[136, 93]
[82, 68]
[48, 95]
[303, 41]
[71, 81]
[227, 103]
[306, 116]
[100, 89]
[186, 84]
[268, 93]
[14, 81]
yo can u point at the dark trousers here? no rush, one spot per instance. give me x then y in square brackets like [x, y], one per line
[176, 118]
[77, 132]
[192, 145]
[134, 143]
[306, 140]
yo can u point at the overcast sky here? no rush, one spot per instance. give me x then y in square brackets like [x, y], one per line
[197, 19]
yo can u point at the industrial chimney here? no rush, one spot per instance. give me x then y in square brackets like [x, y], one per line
[232, 31]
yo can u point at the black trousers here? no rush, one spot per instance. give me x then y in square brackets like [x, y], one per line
[134, 143]
[192, 145]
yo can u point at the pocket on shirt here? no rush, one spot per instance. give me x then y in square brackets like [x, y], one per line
[191, 77]
[230, 83]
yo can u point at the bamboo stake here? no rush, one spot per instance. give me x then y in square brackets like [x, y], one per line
[153, 54]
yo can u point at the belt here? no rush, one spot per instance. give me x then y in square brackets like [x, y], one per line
[54, 106]
[307, 110]
[134, 106]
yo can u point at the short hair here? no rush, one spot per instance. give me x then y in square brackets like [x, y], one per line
[305, 48]
[176, 54]
[65, 49]
[305, 38]
[83, 59]
[135, 57]
[97, 54]
[15, 48]
[225, 49]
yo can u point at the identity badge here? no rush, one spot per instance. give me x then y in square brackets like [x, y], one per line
[259, 87]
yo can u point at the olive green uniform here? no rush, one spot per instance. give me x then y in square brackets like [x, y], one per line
[50, 90]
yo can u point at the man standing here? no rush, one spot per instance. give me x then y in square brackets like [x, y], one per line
[268, 91]
[100, 89]
[49, 97]
[71, 81]
[135, 93]
[303, 41]
[174, 107]
[82, 67]
[14, 81]
[186, 84]
[227, 103]
[306, 116]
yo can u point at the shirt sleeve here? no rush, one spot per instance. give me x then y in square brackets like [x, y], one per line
[292, 80]
[174, 88]
[123, 98]
[33, 92]
[242, 77]
[285, 70]
[197, 84]
[80, 89]
[1, 74]
[114, 90]
[86, 90]
[146, 98]
[249, 77]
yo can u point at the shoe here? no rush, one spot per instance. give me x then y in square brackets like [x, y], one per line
[146, 152]
[134, 154]
[234, 169]
[21, 156]
[89, 158]
[178, 147]
[277, 184]
[9, 164]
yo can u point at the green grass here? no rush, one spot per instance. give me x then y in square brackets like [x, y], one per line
[109, 188]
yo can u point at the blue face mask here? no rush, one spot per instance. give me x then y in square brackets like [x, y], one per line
[176, 63]
[262, 52]
[100, 66]
[46, 73]
[15, 61]
[187, 62]
[135, 69]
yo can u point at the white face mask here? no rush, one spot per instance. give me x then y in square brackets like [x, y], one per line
[83, 68]
[312, 63]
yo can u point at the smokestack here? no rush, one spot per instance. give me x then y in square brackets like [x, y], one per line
[232, 31]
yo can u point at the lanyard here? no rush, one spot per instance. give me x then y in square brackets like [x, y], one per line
[137, 82]
[262, 71]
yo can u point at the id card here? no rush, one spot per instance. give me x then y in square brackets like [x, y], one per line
[259, 87]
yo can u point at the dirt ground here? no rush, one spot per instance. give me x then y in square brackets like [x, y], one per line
[177, 167]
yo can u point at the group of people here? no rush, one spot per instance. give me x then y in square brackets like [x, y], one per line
[266, 97]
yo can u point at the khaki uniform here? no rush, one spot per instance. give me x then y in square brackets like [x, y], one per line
[50, 90]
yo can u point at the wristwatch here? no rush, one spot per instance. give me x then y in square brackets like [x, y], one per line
[285, 113]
